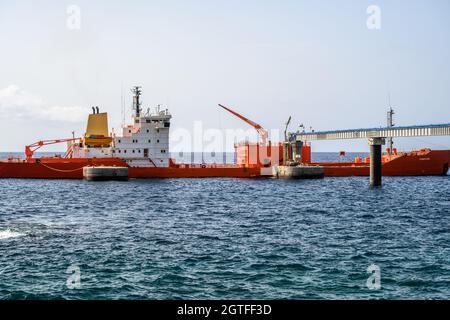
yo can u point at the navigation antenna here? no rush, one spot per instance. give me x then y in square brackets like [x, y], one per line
[122, 105]
[390, 124]
[136, 102]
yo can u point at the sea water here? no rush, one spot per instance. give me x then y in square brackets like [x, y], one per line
[225, 238]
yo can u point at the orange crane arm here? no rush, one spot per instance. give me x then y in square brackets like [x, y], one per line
[261, 131]
[250, 122]
[29, 150]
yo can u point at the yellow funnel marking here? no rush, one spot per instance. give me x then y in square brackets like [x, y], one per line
[97, 125]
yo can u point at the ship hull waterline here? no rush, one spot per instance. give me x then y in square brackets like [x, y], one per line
[51, 168]
[434, 163]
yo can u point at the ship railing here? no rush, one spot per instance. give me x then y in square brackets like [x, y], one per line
[205, 165]
[14, 160]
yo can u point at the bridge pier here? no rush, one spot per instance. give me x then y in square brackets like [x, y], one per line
[375, 161]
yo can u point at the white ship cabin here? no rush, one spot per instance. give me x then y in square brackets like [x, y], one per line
[145, 143]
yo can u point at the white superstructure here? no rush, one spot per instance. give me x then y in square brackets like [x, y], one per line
[145, 143]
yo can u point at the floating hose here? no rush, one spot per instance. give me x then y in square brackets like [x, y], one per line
[59, 170]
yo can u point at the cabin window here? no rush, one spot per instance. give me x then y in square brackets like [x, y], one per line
[139, 151]
[163, 151]
[157, 141]
[149, 141]
[124, 151]
[148, 131]
[119, 151]
[148, 120]
[133, 150]
[119, 140]
[166, 124]
[157, 130]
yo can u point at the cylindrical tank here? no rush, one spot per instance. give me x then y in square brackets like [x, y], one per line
[306, 153]
[297, 151]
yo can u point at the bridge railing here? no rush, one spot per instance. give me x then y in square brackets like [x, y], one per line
[388, 132]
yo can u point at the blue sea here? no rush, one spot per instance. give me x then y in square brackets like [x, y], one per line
[226, 239]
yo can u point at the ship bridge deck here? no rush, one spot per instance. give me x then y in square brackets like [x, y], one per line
[382, 132]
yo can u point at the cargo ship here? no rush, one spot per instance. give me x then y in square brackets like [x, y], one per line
[143, 148]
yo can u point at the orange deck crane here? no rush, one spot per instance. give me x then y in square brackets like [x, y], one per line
[261, 131]
[32, 148]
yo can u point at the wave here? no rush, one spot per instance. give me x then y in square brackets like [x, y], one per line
[7, 234]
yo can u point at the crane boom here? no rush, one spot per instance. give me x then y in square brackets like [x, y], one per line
[286, 128]
[29, 150]
[261, 131]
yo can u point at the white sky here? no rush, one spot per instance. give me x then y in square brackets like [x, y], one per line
[314, 60]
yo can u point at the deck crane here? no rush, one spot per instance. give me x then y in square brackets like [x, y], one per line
[286, 128]
[261, 131]
[32, 148]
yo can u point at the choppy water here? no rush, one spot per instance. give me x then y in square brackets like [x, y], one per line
[224, 238]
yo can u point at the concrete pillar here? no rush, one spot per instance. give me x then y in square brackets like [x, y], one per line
[375, 161]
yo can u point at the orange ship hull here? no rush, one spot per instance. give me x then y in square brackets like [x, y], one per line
[58, 168]
[418, 163]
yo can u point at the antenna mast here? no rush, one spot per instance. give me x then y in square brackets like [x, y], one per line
[136, 100]
[122, 105]
[390, 124]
